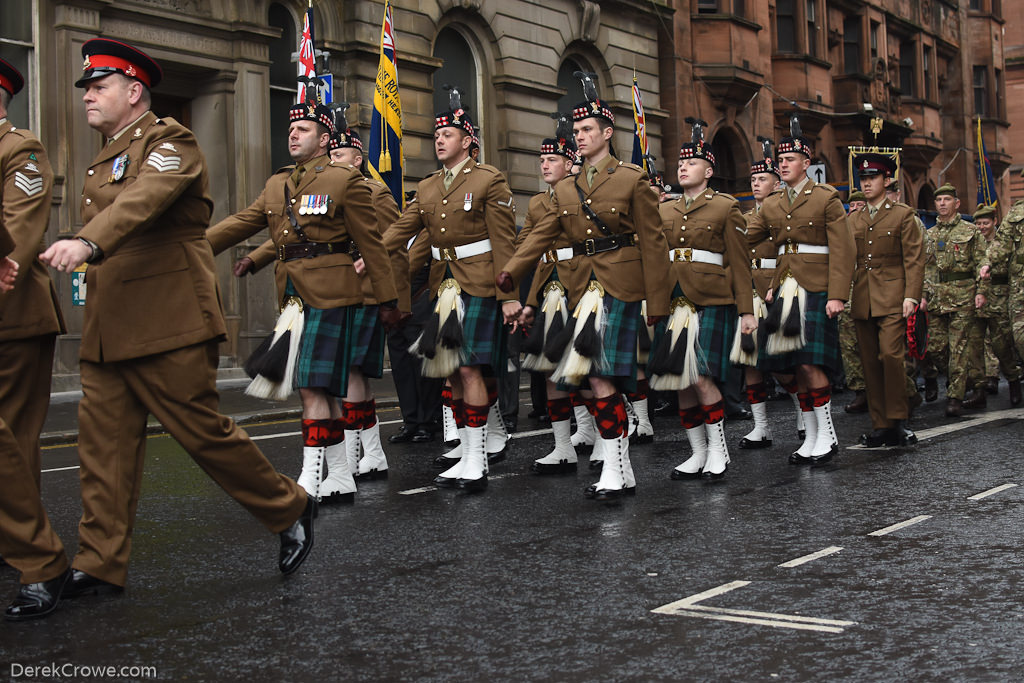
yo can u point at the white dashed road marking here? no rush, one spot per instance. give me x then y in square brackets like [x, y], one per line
[990, 492]
[901, 525]
[831, 550]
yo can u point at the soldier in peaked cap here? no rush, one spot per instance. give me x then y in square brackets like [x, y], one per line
[468, 212]
[153, 323]
[886, 288]
[992, 303]
[30, 321]
[764, 178]
[609, 216]
[954, 250]
[707, 239]
[363, 454]
[816, 255]
[316, 210]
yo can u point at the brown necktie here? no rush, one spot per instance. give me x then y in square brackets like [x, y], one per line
[297, 175]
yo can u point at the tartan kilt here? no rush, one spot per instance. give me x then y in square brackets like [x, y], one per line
[822, 347]
[619, 331]
[483, 333]
[324, 352]
[368, 341]
[714, 343]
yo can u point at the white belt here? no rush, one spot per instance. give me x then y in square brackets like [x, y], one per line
[765, 263]
[698, 255]
[798, 248]
[555, 255]
[460, 252]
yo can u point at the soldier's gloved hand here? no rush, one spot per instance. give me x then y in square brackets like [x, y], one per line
[390, 317]
[504, 281]
[979, 300]
[243, 267]
[653, 320]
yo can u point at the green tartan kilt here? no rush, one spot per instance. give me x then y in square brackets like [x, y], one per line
[822, 347]
[483, 333]
[619, 337]
[325, 350]
[368, 341]
[717, 331]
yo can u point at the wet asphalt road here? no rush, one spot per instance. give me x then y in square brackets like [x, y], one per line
[530, 581]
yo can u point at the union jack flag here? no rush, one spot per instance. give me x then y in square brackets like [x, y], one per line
[640, 150]
[307, 60]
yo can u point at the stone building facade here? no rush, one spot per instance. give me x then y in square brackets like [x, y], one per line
[924, 66]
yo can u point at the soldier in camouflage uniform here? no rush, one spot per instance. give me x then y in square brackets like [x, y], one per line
[848, 336]
[954, 249]
[992, 303]
[1011, 235]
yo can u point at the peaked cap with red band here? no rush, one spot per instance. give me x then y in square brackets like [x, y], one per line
[11, 79]
[104, 57]
[874, 164]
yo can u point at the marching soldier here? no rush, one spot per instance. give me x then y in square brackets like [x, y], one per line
[468, 212]
[710, 272]
[852, 368]
[954, 251]
[886, 288]
[764, 178]
[545, 312]
[812, 279]
[609, 216]
[1011, 236]
[153, 323]
[315, 210]
[364, 454]
[992, 302]
[30, 321]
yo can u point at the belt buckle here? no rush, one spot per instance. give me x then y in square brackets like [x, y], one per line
[446, 254]
[280, 252]
[551, 256]
[688, 253]
[791, 248]
[755, 263]
[589, 246]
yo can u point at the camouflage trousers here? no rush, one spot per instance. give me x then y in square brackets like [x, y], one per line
[1017, 320]
[1000, 355]
[955, 344]
[849, 351]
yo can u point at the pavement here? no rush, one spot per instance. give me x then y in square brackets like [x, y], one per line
[884, 565]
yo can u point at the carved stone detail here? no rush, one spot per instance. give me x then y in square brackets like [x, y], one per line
[590, 20]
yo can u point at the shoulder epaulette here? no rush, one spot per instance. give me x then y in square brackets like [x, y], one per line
[727, 196]
[826, 187]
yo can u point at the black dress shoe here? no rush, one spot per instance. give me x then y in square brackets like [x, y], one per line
[931, 389]
[882, 436]
[595, 464]
[741, 414]
[404, 434]
[797, 459]
[954, 407]
[473, 485]
[561, 467]
[81, 584]
[606, 495]
[590, 491]
[496, 457]
[35, 600]
[679, 475]
[297, 540]
[906, 435]
[422, 435]
[748, 444]
[977, 399]
[446, 482]
[444, 462]
[859, 404]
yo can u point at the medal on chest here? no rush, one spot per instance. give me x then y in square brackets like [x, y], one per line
[117, 171]
[313, 204]
[467, 204]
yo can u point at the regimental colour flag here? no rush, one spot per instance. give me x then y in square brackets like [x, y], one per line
[640, 150]
[987, 195]
[384, 157]
[307, 59]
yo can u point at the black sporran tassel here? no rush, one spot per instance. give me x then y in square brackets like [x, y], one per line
[747, 344]
[774, 320]
[275, 362]
[428, 338]
[534, 343]
[677, 359]
[451, 332]
[588, 341]
[559, 336]
[793, 320]
[658, 364]
[256, 360]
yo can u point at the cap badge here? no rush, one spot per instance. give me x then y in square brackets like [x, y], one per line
[594, 106]
[87, 64]
[130, 71]
[865, 164]
[137, 133]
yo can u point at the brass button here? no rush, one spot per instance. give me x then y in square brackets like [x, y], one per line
[442, 229]
[565, 213]
[810, 223]
[293, 201]
[682, 239]
[286, 232]
[589, 231]
[444, 201]
[91, 171]
[788, 228]
[869, 241]
[613, 209]
[588, 202]
[685, 217]
[88, 201]
[443, 215]
[421, 210]
[788, 215]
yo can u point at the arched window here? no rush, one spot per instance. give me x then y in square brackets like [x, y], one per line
[732, 163]
[571, 84]
[926, 198]
[459, 68]
[283, 86]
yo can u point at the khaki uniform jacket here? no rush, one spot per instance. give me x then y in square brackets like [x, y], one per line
[890, 260]
[26, 192]
[477, 206]
[387, 213]
[155, 289]
[329, 280]
[621, 196]
[713, 222]
[953, 256]
[816, 217]
[764, 249]
[540, 205]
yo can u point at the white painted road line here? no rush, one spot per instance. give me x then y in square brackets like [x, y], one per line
[831, 550]
[688, 607]
[990, 492]
[925, 434]
[902, 525]
[60, 469]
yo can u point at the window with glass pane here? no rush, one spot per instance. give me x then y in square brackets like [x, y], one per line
[707, 6]
[929, 93]
[785, 25]
[739, 8]
[572, 86]
[874, 40]
[908, 68]
[975, 4]
[851, 45]
[458, 67]
[981, 91]
[1000, 108]
[283, 86]
[16, 48]
[812, 28]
